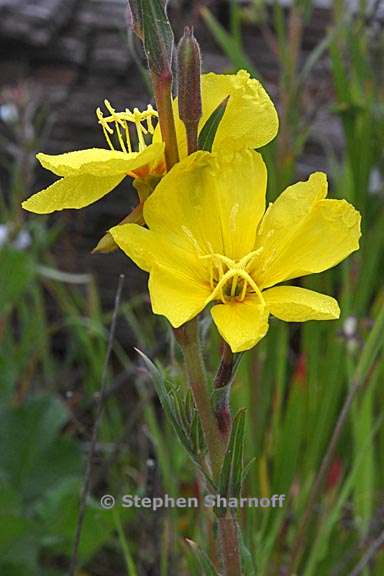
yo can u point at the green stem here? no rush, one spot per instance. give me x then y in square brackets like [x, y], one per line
[162, 86]
[188, 338]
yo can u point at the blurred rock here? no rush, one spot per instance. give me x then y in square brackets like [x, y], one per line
[34, 22]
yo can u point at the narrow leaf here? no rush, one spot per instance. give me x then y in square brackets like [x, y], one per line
[208, 131]
[232, 469]
[201, 556]
[168, 404]
[247, 469]
[158, 35]
[238, 456]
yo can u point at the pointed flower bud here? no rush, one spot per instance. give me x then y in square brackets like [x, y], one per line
[189, 89]
[188, 76]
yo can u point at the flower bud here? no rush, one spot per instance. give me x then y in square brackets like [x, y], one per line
[189, 90]
[188, 78]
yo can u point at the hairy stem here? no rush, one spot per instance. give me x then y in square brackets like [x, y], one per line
[162, 86]
[229, 537]
[188, 338]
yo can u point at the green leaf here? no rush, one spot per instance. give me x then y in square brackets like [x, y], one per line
[247, 469]
[166, 403]
[33, 456]
[158, 35]
[232, 470]
[12, 529]
[247, 559]
[208, 131]
[57, 513]
[373, 346]
[18, 534]
[201, 556]
[197, 434]
[171, 409]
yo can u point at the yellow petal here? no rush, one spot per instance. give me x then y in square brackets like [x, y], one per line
[71, 192]
[137, 242]
[250, 119]
[178, 286]
[100, 162]
[176, 295]
[241, 324]
[294, 304]
[302, 233]
[210, 203]
[107, 244]
[289, 210]
[146, 248]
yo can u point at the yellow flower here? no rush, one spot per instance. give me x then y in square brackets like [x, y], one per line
[210, 241]
[250, 121]
[88, 175]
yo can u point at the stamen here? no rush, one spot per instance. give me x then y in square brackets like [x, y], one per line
[120, 138]
[228, 276]
[236, 274]
[105, 127]
[234, 285]
[139, 128]
[243, 292]
[211, 275]
[126, 128]
[119, 122]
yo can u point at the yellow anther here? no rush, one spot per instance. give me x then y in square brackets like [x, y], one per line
[106, 129]
[247, 280]
[235, 281]
[120, 121]
[109, 106]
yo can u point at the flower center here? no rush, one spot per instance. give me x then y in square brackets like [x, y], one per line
[231, 280]
[118, 123]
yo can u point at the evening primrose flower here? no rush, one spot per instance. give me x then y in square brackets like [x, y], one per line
[250, 121]
[88, 175]
[210, 242]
